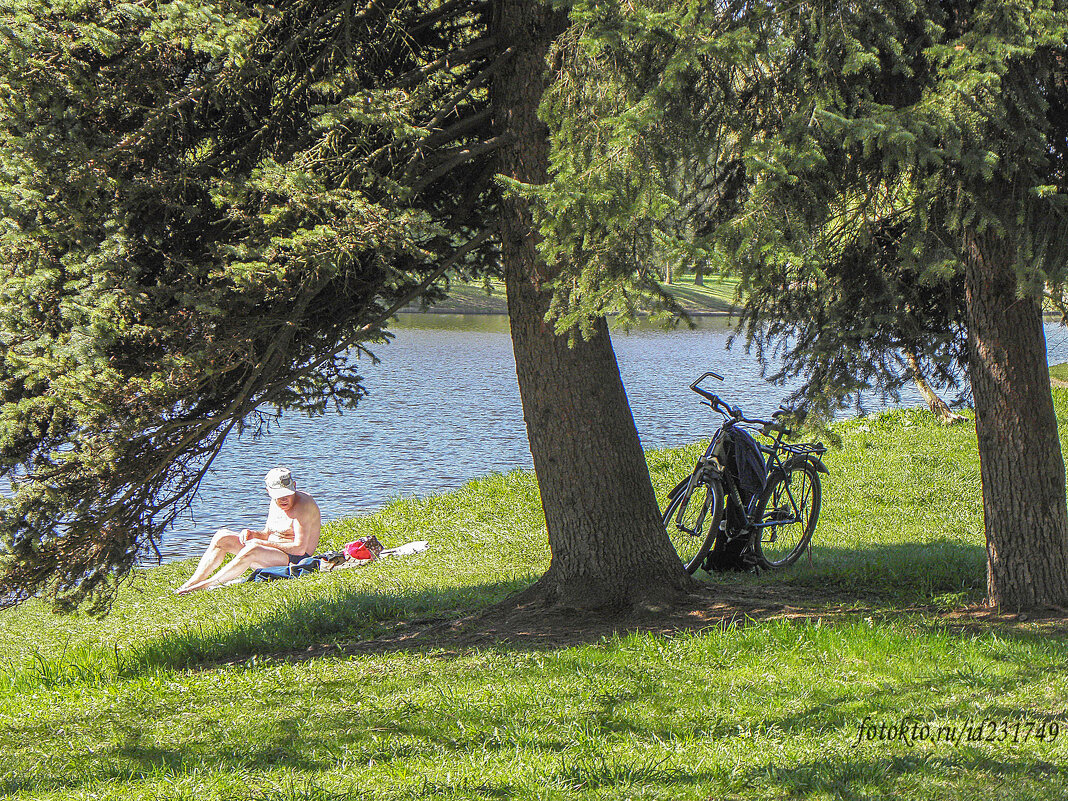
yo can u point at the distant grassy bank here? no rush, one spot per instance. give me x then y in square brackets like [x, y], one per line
[715, 296]
[1058, 374]
[209, 697]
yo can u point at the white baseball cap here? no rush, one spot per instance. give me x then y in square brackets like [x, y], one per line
[280, 482]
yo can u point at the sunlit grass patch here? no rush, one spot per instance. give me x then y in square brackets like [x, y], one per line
[900, 521]
[716, 295]
[216, 695]
[759, 711]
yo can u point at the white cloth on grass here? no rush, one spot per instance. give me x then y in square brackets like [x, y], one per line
[407, 549]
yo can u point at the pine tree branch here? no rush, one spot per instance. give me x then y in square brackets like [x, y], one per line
[465, 125]
[459, 157]
[464, 55]
[443, 137]
[450, 106]
[375, 10]
[453, 8]
[362, 333]
[479, 79]
[473, 194]
[235, 410]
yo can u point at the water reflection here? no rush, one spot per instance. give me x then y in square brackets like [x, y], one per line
[444, 408]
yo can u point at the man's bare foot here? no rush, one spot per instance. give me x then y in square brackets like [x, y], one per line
[186, 589]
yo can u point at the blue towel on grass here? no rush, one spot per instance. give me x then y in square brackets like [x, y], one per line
[307, 565]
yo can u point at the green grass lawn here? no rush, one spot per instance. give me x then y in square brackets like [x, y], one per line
[273, 692]
[715, 296]
[1059, 372]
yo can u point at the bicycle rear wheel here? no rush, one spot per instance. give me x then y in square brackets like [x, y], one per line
[787, 513]
[692, 521]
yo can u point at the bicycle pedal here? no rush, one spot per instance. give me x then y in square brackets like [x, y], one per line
[731, 536]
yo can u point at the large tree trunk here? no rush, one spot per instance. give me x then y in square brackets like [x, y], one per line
[1022, 468]
[609, 550]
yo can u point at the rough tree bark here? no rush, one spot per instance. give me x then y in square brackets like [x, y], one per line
[1021, 464]
[609, 550]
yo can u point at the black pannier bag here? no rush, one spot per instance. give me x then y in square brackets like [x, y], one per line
[745, 463]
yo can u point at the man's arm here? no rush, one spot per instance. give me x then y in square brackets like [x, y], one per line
[307, 526]
[251, 534]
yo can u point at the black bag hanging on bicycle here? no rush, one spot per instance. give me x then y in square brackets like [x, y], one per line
[745, 463]
[749, 470]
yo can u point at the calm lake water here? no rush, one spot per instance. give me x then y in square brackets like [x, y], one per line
[444, 408]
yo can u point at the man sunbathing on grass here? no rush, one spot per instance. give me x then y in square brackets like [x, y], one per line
[291, 534]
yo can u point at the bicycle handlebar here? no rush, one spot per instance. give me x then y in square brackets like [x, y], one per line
[714, 400]
[719, 405]
[704, 393]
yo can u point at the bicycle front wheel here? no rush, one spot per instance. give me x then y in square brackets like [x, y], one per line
[786, 515]
[692, 521]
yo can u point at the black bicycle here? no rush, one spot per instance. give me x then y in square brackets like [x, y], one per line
[747, 503]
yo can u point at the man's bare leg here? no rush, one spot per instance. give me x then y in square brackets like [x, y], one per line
[223, 542]
[252, 556]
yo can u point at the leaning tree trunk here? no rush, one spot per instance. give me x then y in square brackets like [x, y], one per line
[609, 550]
[939, 408]
[1021, 465]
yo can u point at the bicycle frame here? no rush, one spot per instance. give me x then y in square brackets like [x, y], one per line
[810, 453]
[728, 530]
[712, 462]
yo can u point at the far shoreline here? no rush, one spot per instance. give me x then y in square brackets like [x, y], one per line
[713, 297]
[504, 312]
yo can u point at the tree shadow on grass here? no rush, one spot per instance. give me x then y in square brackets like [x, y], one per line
[941, 581]
[390, 734]
[898, 574]
[386, 736]
[308, 623]
[394, 730]
[856, 778]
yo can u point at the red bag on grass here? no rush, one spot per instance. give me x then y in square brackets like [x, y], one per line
[364, 548]
[358, 550]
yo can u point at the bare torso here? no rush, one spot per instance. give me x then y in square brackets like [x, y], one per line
[292, 532]
[299, 524]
